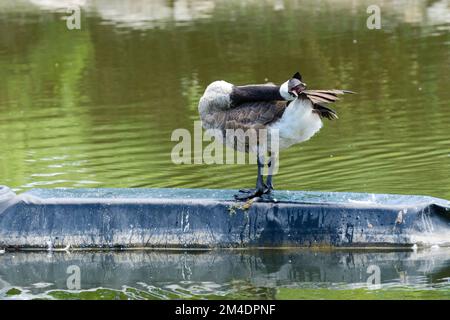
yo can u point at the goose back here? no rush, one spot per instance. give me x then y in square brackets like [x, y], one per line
[225, 106]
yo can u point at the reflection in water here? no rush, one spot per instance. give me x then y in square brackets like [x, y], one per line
[253, 274]
[151, 14]
[142, 14]
[96, 107]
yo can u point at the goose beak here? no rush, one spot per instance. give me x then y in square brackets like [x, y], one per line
[293, 93]
[298, 89]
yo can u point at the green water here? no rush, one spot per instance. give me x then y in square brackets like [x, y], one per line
[96, 108]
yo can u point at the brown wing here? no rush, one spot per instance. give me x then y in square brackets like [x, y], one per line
[254, 115]
[321, 97]
[325, 112]
[324, 96]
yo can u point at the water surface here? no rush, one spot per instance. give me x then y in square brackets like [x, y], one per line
[96, 107]
[251, 274]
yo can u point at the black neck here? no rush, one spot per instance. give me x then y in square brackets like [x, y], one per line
[253, 93]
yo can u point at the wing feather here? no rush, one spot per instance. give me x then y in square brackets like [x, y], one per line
[321, 97]
[325, 96]
[325, 112]
[254, 115]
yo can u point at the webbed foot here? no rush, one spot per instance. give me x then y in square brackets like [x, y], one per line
[246, 194]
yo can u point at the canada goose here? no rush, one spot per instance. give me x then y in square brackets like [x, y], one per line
[294, 112]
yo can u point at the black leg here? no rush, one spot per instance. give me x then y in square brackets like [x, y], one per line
[269, 184]
[259, 180]
[246, 194]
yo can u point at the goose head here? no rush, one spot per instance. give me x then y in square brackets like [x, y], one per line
[293, 87]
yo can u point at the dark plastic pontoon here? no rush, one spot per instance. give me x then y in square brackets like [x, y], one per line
[205, 218]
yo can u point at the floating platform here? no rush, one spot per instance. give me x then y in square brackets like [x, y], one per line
[206, 218]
